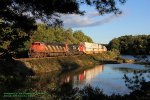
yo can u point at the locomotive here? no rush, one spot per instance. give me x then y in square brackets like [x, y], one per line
[39, 49]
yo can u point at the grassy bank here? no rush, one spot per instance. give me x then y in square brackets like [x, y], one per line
[59, 63]
[27, 66]
[71, 62]
[64, 63]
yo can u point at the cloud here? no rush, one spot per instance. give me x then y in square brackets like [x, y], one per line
[89, 20]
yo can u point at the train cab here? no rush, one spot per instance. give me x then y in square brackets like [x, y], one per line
[38, 47]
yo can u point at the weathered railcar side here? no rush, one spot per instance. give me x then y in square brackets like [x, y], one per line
[93, 48]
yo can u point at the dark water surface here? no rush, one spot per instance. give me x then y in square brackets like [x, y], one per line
[108, 77]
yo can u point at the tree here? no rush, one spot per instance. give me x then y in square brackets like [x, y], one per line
[131, 44]
[114, 44]
[58, 34]
[18, 17]
[13, 11]
[79, 35]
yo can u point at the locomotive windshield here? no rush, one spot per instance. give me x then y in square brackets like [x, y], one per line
[35, 43]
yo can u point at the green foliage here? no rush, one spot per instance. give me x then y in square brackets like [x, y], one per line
[109, 55]
[58, 34]
[19, 13]
[12, 39]
[131, 44]
[79, 35]
[20, 41]
[18, 18]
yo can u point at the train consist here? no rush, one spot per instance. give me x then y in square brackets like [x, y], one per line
[39, 49]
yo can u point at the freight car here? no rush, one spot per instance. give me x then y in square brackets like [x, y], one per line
[39, 49]
[93, 48]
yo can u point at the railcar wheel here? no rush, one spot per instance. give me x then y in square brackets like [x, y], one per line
[32, 55]
[29, 54]
[44, 54]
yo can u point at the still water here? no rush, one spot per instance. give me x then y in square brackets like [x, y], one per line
[108, 77]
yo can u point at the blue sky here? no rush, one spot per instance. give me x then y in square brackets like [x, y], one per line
[135, 20]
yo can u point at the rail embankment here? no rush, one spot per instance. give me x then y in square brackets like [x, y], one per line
[59, 63]
[62, 63]
[69, 62]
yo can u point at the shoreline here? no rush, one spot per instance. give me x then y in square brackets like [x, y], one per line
[63, 63]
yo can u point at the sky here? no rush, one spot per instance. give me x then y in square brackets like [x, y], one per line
[135, 20]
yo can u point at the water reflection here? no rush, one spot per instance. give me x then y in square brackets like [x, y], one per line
[88, 75]
[108, 77]
[81, 77]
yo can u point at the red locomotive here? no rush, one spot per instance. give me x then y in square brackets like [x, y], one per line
[39, 49]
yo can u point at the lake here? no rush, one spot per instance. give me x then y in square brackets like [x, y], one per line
[107, 77]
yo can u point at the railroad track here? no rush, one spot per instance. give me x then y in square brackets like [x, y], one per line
[45, 57]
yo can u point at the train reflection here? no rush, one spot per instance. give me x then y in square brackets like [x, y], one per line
[86, 75]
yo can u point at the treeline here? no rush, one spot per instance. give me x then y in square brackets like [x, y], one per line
[58, 34]
[22, 41]
[134, 45]
[47, 35]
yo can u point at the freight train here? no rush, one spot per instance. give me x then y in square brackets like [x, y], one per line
[39, 49]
